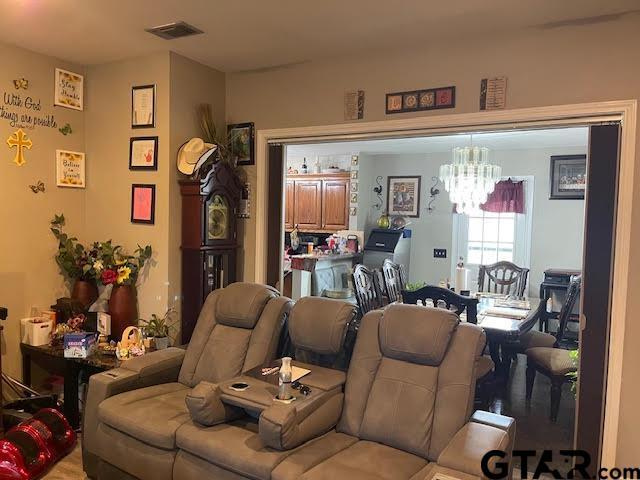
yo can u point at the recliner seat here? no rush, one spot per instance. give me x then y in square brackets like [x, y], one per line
[133, 412]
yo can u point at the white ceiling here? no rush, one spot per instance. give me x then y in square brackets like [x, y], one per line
[514, 140]
[254, 34]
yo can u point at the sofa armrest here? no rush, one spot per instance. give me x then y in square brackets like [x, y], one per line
[154, 368]
[207, 408]
[286, 426]
[466, 449]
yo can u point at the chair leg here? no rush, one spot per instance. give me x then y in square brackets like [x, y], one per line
[531, 376]
[556, 392]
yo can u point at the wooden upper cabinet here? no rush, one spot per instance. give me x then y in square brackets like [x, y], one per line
[288, 205]
[335, 204]
[307, 209]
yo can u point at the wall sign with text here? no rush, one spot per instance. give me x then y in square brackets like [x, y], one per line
[69, 90]
[70, 167]
[420, 100]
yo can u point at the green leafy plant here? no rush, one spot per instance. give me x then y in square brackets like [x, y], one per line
[574, 355]
[100, 261]
[157, 326]
[412, 287]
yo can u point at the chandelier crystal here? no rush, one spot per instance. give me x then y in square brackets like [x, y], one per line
[470, 178]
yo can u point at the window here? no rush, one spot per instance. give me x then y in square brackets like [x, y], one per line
[488, 237]
[491, 238]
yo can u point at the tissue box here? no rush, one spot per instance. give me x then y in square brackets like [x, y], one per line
[35, 331]
[79, 345]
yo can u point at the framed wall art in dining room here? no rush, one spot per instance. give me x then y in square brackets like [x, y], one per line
[143, 106]
[403, 196]
[143, 153]
[567, 177]
[69, 90]
[143, 203]
[70, 168]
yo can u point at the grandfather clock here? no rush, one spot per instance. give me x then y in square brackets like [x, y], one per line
[209, 239]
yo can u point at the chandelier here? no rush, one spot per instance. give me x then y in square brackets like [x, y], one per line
[470, 178]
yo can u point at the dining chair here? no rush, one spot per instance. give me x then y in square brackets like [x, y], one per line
[394, 279]
[503, 277]
[367, 289]
[453, 301]
[551, 360]
[485, 385]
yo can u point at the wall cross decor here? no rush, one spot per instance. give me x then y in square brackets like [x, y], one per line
[19, 140]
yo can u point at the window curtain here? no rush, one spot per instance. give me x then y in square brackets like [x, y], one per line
[507, 197]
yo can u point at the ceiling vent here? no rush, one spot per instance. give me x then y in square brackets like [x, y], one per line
[174, 30]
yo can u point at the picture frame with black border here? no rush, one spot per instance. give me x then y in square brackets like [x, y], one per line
[143, 113]
[421, 100]
[396, 204]
[140, 157]
[567, 177]
[242, 135]
[143, 203]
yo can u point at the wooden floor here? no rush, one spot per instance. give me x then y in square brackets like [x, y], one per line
[69, 468]
[534, 430]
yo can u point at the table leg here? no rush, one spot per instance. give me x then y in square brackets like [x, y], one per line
[26, 368]
[71, 410]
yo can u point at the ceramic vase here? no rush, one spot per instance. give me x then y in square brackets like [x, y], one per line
[85, 292]
[123, 308]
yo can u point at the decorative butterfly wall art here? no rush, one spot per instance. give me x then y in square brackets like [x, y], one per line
[21, 83]
[38, 187]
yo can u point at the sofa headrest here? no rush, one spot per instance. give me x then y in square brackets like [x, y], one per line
[416, 334]
[240, 304]
[319, 324]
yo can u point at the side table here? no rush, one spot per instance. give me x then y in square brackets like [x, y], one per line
[51, 358]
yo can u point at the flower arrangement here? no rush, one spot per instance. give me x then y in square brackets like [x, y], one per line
[124, 269]
[100, 261]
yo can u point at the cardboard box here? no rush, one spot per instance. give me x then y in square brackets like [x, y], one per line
[79, 345]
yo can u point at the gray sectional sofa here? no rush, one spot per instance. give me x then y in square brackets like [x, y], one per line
[402, 411]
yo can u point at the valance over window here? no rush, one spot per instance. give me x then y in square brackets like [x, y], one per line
[507, 197]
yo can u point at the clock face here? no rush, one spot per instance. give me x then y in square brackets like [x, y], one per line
[218, 219]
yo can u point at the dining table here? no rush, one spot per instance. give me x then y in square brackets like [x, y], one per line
[504, 320]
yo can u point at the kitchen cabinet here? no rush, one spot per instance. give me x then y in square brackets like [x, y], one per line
[307, 204]
[317, 203]
[288, 211]
[335, 204]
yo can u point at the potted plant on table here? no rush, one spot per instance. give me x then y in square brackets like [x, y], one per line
[77, 264]
[159, 328]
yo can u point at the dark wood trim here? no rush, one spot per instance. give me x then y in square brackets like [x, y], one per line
[275, 222]
[600, 222]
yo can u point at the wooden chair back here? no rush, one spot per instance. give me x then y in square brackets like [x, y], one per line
[503, 277]
[573, 293]
[394, 280]
[453, 301]
[367, 289]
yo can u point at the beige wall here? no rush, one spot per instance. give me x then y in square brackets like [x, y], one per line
[191, 84]
[28, 276]
[544, 67]
[108, 193]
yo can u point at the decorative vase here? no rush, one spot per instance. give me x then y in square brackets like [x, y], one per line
[85, 292]
[123, 308]
[383, 220]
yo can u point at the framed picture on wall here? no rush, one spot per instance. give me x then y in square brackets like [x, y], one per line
[143, 106]
[70, 168]
[403, 196]
[568, 177]
[143, 153]
[241, 141]
[143, 203]
[69, 90]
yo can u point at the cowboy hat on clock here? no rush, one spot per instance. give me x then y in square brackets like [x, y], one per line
[193, 154]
